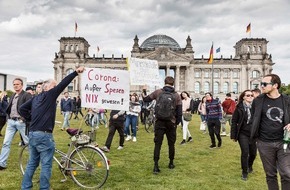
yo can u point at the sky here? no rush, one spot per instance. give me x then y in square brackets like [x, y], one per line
[30, 29]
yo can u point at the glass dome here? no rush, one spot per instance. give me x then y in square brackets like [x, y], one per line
[160, 41]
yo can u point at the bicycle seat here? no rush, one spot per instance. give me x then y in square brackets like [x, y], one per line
[73, 132]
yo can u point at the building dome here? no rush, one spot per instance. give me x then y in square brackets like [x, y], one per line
[159, 41]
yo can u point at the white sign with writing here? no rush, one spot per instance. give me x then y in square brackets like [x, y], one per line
[143, 71]
[105, 88]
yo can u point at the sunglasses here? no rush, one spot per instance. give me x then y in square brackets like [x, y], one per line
[249, 95]
[265, 83]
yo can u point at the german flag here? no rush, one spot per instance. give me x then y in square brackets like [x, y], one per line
[248, 28]
[210, 59]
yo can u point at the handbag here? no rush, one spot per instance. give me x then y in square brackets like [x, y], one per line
[187, 116]
[202, 126]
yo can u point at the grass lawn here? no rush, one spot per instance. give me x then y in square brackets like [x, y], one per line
[197, 166]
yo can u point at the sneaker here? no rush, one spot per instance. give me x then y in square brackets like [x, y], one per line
[219, 143]
[105, 149]
[212, 146]
[189, 139]
[244, 176]
[2, 168]
[250, 170]
[156, 169]
[171, 166]
[120, 148]
[134, 139]
[183, 142]
[97, 127]
[223, 134]
[128, 138]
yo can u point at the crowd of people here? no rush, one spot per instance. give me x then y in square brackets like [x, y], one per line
[257, 121]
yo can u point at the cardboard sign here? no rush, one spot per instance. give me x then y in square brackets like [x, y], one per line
[143, 71]
[105, 88]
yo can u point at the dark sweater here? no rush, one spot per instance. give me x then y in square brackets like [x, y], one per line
[41, 109]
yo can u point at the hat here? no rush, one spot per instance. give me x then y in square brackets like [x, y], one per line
[228, 95]
[28, 88]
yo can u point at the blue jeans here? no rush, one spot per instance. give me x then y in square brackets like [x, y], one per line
[65, 119]
[12, 127]
[275, 159]
[41, 150]
[131, 120]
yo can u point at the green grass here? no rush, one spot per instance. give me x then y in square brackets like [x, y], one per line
[197, 166]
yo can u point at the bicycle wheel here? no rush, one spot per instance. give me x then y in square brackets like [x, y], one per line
[149, 124]
[23, 160]
[88, 167]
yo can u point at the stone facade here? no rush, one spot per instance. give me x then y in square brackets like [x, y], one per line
[245, 71]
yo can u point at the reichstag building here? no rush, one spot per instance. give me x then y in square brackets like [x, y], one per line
[234, 74]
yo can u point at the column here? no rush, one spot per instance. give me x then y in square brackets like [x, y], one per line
[177, 75]
[167, 70]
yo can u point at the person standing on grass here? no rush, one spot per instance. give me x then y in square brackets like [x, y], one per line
[66, 106]
[187, 104]
[15, 122]
[271, 116]
[229, 107]
[116, 122]
[202, 111]
[241, 130]
[163, 126]
[213, 116]
[132, 118]
[40, 111]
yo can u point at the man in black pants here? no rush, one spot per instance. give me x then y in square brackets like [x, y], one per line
[213, 116]
[167, 127]
[116, 122]
[271, 116]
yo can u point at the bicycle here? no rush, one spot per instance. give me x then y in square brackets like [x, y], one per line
[86, 164]
[150, 121]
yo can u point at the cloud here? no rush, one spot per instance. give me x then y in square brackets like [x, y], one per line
[30, 29]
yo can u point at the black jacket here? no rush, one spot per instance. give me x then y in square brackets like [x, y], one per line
[23, 97]
[239, 119]
[257, 111]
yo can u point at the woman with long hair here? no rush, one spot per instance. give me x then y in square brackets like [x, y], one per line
[202, 111]
[3, 107]
[240, 131]
[186, 107]
[132, 117]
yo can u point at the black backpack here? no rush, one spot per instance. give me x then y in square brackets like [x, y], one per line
[165, 106]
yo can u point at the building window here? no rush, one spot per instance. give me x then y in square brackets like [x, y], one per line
[77, 47]
[226, 88]
[235, 74]
[206, 87]
[66, 48]
[70, 86]
[235, 87]
[248, 49]
[259, 49]
[71, 48]
[254, 49]
[255, 74]
[216, 88]
[216, 74]
[197, 74]
[197, 87]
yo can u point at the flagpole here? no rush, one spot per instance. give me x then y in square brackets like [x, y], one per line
[212, 86]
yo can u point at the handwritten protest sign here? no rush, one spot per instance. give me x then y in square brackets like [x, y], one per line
[143, 71]
[105, 88]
